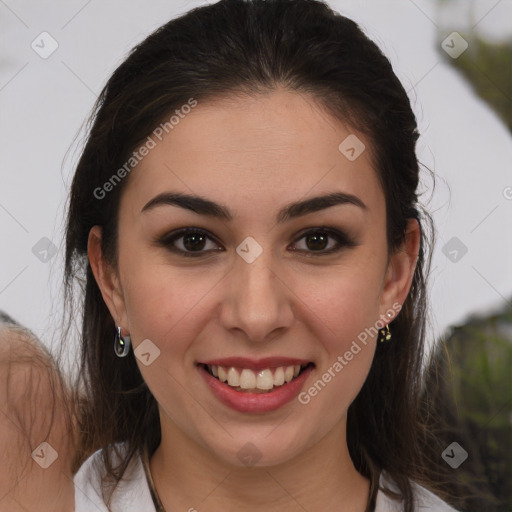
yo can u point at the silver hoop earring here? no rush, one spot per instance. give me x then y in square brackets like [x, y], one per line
[121, 343]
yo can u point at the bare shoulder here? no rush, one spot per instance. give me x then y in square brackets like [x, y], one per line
[35, 426]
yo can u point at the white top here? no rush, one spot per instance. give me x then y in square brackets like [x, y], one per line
[133, 494]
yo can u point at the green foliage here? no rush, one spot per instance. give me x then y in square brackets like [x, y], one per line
[488, 67]
[473, 389]
[476, 401]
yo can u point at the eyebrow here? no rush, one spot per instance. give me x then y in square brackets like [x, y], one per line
[204, 206]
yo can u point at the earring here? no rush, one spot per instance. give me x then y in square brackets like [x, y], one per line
[121, 344]
[385, 335]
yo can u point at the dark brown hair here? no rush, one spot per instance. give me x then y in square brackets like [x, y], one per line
[252, 47]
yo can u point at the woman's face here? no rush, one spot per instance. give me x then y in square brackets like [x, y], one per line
[255, 285]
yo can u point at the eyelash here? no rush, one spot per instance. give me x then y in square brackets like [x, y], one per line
[342, 239]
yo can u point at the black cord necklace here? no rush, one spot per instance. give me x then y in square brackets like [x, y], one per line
[370, 507]
[152, 489]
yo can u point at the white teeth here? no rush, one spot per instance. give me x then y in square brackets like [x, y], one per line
[265, 379]
[233, 378]
[223, 377]
[247, 379]
[279, 376]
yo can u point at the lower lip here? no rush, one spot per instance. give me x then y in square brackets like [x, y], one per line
[255, 402]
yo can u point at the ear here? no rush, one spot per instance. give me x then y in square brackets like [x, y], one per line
[107, 278]
[401, 267]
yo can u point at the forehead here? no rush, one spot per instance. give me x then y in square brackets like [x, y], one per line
[264, 148]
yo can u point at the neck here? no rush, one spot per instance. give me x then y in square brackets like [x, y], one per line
[186, 475]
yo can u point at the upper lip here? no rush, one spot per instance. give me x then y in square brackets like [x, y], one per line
[256, 364]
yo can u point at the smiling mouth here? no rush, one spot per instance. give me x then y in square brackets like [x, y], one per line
[262, 381]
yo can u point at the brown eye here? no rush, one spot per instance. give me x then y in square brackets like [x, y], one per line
[193, 242]
[317, 241]
[188, 242]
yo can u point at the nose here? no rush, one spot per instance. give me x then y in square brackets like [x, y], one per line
[258, 303]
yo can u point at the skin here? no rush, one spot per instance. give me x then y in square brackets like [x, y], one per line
[254, 155]
[28, 380]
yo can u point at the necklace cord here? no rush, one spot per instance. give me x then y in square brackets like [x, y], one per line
[370, 507]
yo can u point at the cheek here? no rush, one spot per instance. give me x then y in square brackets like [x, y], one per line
[345, 301]
[349, 351]
[166, 305]
[348, 313]
[161, 301]
[346, 307]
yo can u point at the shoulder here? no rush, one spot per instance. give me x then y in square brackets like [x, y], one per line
[424, 500]
[132, 493]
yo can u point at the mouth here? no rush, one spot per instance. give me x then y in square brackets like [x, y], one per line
[260, 381]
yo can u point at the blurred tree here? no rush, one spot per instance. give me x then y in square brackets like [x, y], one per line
[473, 393]
[474, 390]
[488, 68]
